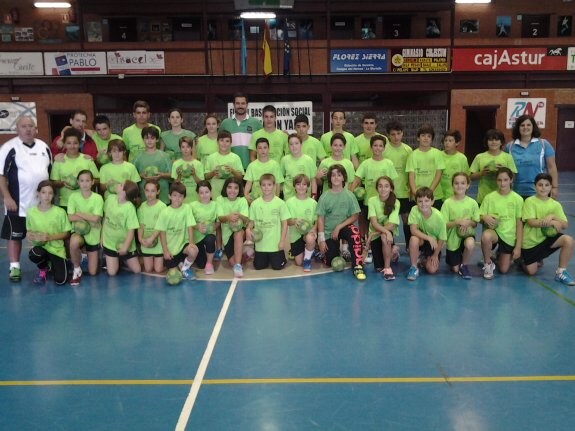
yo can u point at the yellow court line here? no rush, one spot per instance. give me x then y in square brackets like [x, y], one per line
[291, 381]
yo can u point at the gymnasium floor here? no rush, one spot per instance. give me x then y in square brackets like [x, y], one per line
[318, 352]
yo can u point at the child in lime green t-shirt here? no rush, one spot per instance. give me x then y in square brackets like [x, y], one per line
[233, 214]
[500, 213]
[543, 234]
[148, 213]
[302, 211]
[461, 214]
[383, 213]
[65, 170]
[223, 164]
[428, 234]
[187, 169]
[205, 212]
[208, 141]
[425, 165]
[296, 163]
[454, 161]
[85, 211]
[153, 164]
[118, 170]
[48, 227]
[338, 143]
[485, 165]
[258, 167]
[269, 215]
[119, 228]
[176, 226]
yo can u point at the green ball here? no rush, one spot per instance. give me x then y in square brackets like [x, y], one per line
[186, 170]
[150, 171]
[102, 158]
[359, 193]
[492, 166]
[82, 227]
[338, 264]
[304, 227]
[469, 232]
[549, 231]
[257, 234]
[171, 154]
[236, 226]
[224, 174]
[71, 181]
[154, 243]
[173, 276]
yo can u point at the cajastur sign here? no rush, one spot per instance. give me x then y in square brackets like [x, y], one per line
[503, 59]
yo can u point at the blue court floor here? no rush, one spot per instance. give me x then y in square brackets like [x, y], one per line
[320, 352]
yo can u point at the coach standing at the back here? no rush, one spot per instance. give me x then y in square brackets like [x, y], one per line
[24, 162]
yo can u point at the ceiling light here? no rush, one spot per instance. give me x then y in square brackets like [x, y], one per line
[258, 15]
[53, 5]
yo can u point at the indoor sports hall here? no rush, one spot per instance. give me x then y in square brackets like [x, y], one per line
[287, 351]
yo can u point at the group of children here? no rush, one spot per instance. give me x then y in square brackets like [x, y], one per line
[205, 203]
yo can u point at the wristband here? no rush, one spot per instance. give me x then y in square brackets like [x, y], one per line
[321, 236]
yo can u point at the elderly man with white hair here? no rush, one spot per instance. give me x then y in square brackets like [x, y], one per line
[24, 162]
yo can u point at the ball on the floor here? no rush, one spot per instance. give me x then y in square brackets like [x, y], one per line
[338, 263]
[174, 276]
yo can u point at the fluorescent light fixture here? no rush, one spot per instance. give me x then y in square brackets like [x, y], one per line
[53, 5]
[257, 15]
[472, 1]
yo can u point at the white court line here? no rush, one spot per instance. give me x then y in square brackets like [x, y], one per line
[198, 379]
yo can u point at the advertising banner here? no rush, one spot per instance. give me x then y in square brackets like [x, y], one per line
[10, 111]
[136, 62]
[75, 63]
[419, 60]
[21, 64]
[358, 60]
[285, 112]
[536, 107]
[509, 59]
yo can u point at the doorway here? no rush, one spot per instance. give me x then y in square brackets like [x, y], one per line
[565, 139]
[478, 120]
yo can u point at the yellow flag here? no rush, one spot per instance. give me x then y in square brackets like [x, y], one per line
[266, 52]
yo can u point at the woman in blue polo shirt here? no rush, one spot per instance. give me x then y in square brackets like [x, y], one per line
[532, 155]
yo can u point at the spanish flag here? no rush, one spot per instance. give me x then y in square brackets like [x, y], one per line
[266, 52]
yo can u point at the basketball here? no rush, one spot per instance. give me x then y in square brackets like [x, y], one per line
[257, 235]
[304, 227]
[82, 227]
[359, 193]
[549, 231]
[338, 264]
[173, 276]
